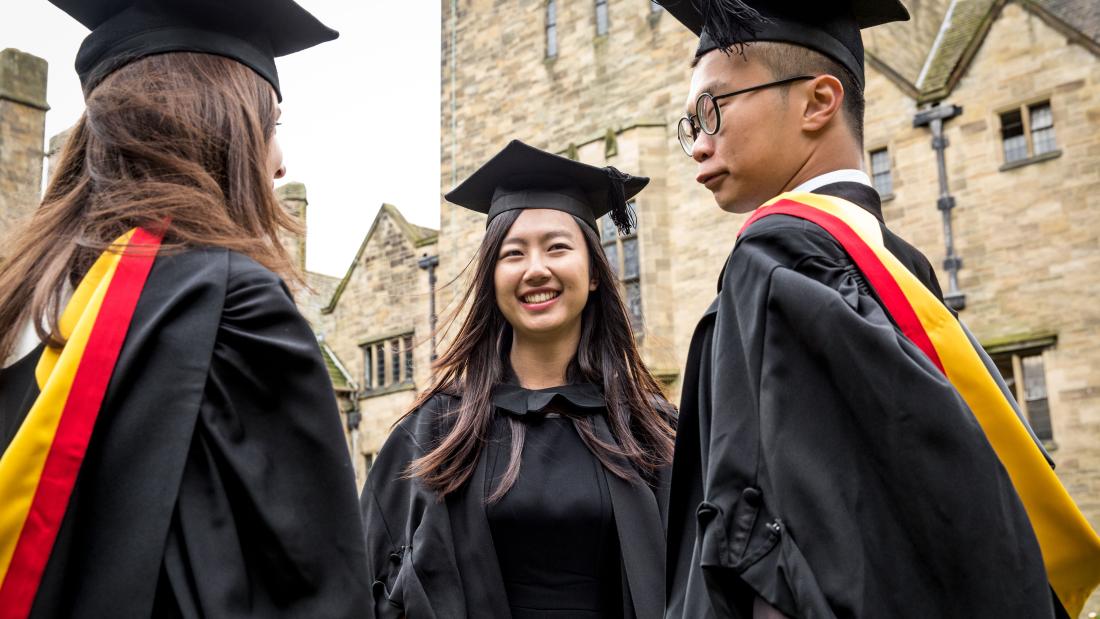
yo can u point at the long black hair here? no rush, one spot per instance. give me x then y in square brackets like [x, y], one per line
[637, 413]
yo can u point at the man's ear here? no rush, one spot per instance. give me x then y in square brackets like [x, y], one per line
[824, 95]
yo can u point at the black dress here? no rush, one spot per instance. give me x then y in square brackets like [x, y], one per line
[554, 531]
[568, 540]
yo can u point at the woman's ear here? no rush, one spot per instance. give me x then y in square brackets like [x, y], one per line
[593, 284]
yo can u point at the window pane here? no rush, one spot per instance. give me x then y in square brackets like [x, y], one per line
[1035, 392]
[1044, 141]
[1004, 366]
[368, 369]
[1035, 382]
[380, 365]
[1042, 129]
[551, 41]
[601, 17]
[630, 258]
[395, 361]
[634, 304]
[1041, 117]
[880, 172]
[607, 229]
[612, 252]
[408, 359]
[552, 13]
[1012, 132]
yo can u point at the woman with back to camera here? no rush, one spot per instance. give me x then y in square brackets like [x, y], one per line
[171, 443]
[529, 480]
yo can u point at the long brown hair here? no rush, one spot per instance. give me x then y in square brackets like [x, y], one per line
[179, 137]
[637, 413]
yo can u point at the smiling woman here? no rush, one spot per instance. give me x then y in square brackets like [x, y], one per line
[545, 440]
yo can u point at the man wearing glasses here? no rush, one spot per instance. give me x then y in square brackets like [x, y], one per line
[825, 466]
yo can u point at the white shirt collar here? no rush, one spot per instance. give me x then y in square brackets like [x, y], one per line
[836, 176]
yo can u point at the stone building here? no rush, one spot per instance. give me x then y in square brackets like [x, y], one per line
[377, 323]
[22, 131]
[605, 81]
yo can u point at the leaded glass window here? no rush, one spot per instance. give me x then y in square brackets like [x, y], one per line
[551, 28]
[624, 255]
[1042, 129]
[881, 176]
[602, 24]
[1013, 137]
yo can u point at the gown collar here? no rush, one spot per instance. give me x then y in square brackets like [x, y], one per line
[510, 397]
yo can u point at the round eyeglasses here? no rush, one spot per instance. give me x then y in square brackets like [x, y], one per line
[708, 114]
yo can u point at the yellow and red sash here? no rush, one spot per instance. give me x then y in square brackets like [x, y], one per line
[40, 466]
[1071, 549]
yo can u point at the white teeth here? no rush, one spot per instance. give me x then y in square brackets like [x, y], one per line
[541, 297]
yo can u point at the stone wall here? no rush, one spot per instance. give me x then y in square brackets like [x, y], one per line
[1029, 237]
[22, 133]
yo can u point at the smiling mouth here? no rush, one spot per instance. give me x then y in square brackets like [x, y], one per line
[539, 297]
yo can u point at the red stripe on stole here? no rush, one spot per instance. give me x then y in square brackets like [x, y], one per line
[878, 276]
[93, 374]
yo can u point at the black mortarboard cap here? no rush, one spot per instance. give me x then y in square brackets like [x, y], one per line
[827, 26]
[524, 177]
[252, 32]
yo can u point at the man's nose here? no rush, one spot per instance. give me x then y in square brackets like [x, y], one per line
[703, 147]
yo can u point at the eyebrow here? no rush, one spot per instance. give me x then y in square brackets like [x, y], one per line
[544, 237]
[710, 87]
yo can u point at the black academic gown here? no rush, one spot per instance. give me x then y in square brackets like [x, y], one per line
[217, 482]
[437, 559]
[823, 463]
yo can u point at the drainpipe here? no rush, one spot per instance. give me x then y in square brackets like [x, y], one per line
[933, 118]
[429, 263]
[454, 97]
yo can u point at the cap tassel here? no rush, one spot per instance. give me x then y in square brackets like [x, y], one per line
[622, 215]
[730, 23]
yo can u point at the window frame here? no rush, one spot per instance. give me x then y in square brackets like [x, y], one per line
[1015, 354]
[1025, 111]
[394, 363]
[885, 149]
[618, 241]
[368, 366]
[603, 28]
[551, 29]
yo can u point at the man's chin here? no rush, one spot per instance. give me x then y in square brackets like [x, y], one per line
[734, 204]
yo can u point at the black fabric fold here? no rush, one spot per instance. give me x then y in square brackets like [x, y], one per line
[584, 398]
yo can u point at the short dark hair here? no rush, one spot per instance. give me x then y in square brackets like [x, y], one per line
[784, 60]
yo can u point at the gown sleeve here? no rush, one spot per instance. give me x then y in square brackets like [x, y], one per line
[834, 441]
[266, 523]
[412, 569]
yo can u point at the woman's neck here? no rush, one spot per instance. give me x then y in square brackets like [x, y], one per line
[540, 363]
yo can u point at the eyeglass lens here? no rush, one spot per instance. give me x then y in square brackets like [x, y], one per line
[686, 133]
[707, 110]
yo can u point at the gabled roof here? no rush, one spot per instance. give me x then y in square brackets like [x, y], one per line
[928, 55]
[337, 371]
[419, 236]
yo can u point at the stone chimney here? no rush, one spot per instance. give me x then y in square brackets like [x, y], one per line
[293, 197]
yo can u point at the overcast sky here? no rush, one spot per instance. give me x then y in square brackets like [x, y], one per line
[360, 122]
